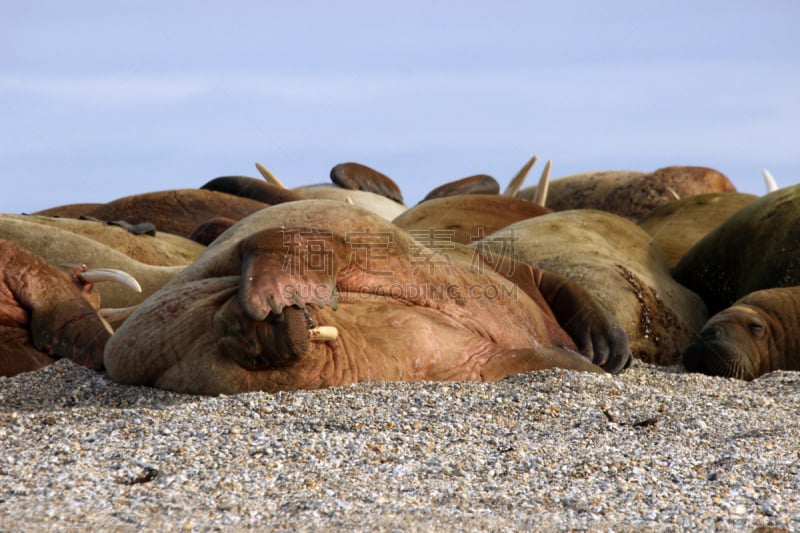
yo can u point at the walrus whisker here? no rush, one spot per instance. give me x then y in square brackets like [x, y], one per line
[110, 274]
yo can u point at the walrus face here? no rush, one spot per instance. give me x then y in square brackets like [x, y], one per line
[733, 343]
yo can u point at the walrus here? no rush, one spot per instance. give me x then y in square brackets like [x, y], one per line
[163, 249]
[678, 225]
[629, 193]
[758, 247]
[358, 177]
[47, 313]
[376, 203]
[477, 184]
[759, 333]
[466, 218]
[68, 210]
[255, 189]
[620, 265]
[177, 211]
[352, 183]
[317, 293]
[59, 246]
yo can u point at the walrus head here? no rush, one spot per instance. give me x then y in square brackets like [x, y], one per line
[733, 343]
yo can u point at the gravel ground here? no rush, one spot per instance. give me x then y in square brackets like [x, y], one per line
[652, 449]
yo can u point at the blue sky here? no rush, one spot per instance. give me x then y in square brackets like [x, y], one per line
[101, 99]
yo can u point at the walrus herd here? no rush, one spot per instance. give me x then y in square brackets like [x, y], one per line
[243, 284]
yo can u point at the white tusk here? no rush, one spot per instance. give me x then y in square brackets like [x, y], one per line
[323, 333]
[110, 274]
[517, 181]
[544, 185]
[269, 176]
[672, 192]
[769, 181]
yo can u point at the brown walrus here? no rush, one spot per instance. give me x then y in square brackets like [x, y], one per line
[620, 265]
[163, 249]
[466, 218]
[319, 293]
[47, 313]
[59, 246]
[678, 225]
[255, 189]
[630, 194]
[758, 247]
[177, 211]
[757, 334]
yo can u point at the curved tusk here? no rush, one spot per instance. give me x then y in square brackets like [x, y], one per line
[544, 185]
[110, 274]
[269, 176]
[769, 181]
[323, 333]
[516, 182]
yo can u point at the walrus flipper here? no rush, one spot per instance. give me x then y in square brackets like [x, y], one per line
[595, 331]
[358, 177]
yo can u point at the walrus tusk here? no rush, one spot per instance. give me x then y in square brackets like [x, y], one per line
[516, 182]
[544, 184]
[323, 333]
[115, 316]
[110, 274]
[673, 193]
[769, 181]
[269, 176]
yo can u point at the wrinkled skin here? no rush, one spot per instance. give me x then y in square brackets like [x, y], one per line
[758, 334]
[758, 247]
[238, 319]
[620, 265]
[630, 194]
[45, 314]
[466, 218]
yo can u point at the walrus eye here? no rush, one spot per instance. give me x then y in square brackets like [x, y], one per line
[756, 329]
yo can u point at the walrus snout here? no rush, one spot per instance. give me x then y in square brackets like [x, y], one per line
[275, 342]
[702, 356]
[717, 356]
